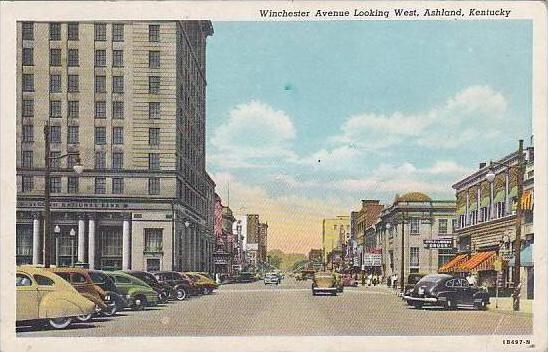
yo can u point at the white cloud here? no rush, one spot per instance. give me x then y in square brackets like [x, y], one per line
[253, 135]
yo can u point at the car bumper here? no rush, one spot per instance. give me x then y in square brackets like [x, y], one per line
[324, 289]
[432, 300]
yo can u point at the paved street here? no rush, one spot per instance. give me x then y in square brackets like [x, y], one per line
[290, 309]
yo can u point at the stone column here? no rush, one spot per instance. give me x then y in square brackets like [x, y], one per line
[188, 249]
[91, 242]
[194, 248]
[81, 241]
[125, 245]
[35, 239]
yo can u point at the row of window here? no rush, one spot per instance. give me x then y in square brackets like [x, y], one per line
[27, 185]
[414, 225]
[73, 135]
[100, 84]
[73, 109]
[475, 217]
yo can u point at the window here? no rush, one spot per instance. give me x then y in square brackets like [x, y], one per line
[55, 57]
[100, 110]
[100, 32]
[501, 209]
[100, 58]
[55, 83]
[454, 225]
[71, 160]
[462, 222]
[444, 256]
[72, 29]
[154, 59]
[117, 185]
[442, 226]
[28, 108]
[414, 226]
[55, 31]
[72, 185]
[484, 214]
[112, 243]
[73, 83]
[100, 160]
[153, 240]
[100, 135]
[27, 159]
[100, 84]
[55, 134]
[153, 32]
[473, 217]
[117, 84]
[28, 56]
[117, 161]
[27, 183]
[100, 184]
[117, 32]
[78, 278]
[153, 136]
[28, 133]
[23, 280]
[117, 58]
[154, 161]
[414, 256]
[154, 110]
[28, 82]
[72, 135]
[153, 186]
[117, 109]
[154, 84]
[73, 58]
[55, 109]
[28, 30]
[121, 279]
[117, 135]
[55, 184]
[55, 160]
[42, 280]
[73, 109]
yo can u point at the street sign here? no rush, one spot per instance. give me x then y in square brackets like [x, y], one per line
[440, 243]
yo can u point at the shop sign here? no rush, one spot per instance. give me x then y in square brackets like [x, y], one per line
[441, 243]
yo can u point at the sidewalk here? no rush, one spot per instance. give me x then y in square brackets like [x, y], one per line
[505, 305]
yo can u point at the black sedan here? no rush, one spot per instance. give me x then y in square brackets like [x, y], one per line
[446, 291]
[119, 300]
[163, 289]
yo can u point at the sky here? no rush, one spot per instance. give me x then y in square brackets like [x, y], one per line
[305, 119]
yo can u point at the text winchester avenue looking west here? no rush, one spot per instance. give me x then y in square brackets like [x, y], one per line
[429, 12]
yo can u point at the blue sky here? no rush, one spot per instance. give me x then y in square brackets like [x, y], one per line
[304, 119]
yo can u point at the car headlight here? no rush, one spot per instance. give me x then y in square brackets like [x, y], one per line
[128, 296]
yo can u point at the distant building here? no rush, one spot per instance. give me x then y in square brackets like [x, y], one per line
[335, 231]
[263, 241]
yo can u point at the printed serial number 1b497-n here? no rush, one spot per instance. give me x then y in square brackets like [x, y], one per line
[516, 342]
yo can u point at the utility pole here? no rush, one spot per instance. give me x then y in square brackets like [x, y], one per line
[517, 242]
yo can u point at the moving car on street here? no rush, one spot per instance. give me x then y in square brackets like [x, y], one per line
[45, 298]
[271, 279]
[118, 300]
[245, 277]
[140, 295]
[162, 289]
[447, 291]
[81, 280]
[324, 282]
[180, 286]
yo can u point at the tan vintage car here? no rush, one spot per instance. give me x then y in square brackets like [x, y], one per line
[324, 282]
[43, 297]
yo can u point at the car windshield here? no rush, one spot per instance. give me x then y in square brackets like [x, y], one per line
[431, 279]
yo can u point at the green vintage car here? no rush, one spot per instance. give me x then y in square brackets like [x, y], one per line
[139, 294]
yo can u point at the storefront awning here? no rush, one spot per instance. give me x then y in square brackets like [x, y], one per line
[453, 263]
[527, 200]
[481, 261]
[526, 257]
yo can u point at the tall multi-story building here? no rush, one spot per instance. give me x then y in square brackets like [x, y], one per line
[423, 219]
[263, 241]
[486, 228]
[252, 239]
[129, 98]
[335, 231]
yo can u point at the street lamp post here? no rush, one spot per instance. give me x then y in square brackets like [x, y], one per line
[490, 177]
[78, 168]
[57, 232]
[72, 235]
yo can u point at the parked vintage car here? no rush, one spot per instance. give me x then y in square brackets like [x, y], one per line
[324, 282]
[271, 279]
[180, 286]
[82, 282]
[140, 295]
[162, 289]
[194, 288]
[412, 280]
[348, 280]
[447, 291]
[204, 283]
[118, 300]
[43, 297]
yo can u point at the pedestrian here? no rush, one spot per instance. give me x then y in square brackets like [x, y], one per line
[472, 280]
[369, 279]
[395, 282]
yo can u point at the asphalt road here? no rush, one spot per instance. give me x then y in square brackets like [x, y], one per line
[290, 309]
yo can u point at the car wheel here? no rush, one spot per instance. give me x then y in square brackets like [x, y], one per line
[110, 310]
[84, 318]
[206, 291]
[180, 294]
[140, 303]
[59, 323]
